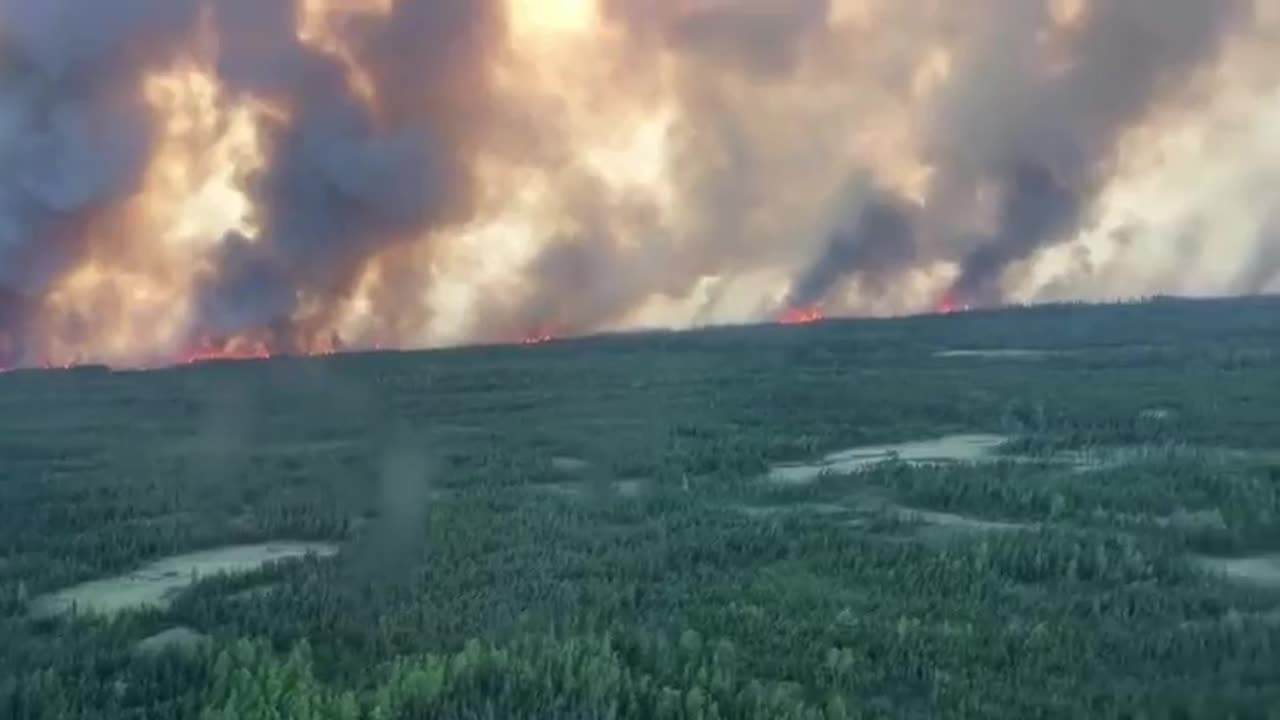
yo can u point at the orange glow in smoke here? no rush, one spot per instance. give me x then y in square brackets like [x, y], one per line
[207, 350]
[592, 127]
[948, 305]
[802, 316]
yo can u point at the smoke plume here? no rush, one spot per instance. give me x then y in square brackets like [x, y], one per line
[183, 178]
[875, 242]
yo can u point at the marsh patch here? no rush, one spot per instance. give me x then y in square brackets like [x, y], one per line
[938, 451]
[942, 524]
[566, 464]
[998, 353]
[632, 488]
[156, 585]
[1259, 570]
[176, 638]
[1158, 414]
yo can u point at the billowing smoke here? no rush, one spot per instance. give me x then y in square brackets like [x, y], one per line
[1034, 210]
[759, 37]
[1262, 272]
[874, 244]
[346, 178]
[302, 175]
[350, 170]
[74, 132]
[1042, 132]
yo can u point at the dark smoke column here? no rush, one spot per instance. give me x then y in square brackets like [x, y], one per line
[349, 177]
[1043, 132]
[875, 243]
[75, 138]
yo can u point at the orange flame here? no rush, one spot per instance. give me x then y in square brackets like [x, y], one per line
[948, 305]
[573, 129]
[802, 316]
[208, 350]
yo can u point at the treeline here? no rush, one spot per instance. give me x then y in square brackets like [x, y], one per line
[648, 677]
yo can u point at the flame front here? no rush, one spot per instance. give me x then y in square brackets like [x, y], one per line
[802, 316]
[226, 178]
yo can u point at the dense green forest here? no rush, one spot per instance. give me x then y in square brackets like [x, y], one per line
[589, 528]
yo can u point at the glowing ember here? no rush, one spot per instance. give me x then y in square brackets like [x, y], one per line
[210, 351]
[538, 339]
[802, 316]
[948, 305]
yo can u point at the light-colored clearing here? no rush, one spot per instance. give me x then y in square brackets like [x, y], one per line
[950, 449]
[1181, 519]
[158, 583]
[998, 353]
[630, 488]
[569, 464]
[561, 489]
[1261, 570]
[934, 522]
[1111, 457]
[582, 489]
[957, 522]
[180, 638]
[1156, 413]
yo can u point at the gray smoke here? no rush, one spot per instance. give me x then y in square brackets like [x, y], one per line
[349, 177]
[393, 542]
[1035, 209]
[766, 97]
[1034, 125]
[1043, 133]
[1263, 269]
[343, 186]
[874, 243]
[74, 132]
[757, 36]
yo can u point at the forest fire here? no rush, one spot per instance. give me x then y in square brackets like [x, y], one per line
[539, 338]
[949, 305]
[802, 316]
[418, 173]
[207, 351]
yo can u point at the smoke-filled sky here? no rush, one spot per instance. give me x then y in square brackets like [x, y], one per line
[191, 176]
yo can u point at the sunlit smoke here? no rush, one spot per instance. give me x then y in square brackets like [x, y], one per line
[185, 180]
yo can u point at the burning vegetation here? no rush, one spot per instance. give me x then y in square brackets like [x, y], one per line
[802, 316]
[404, 173]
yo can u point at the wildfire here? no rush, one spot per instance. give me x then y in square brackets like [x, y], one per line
[802, 316]
[540, 338]
[948, 305]
[402, 173]
[208, 350]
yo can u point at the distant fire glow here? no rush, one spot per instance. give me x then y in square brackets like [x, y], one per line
[948, 305]
[802, 316]
[422, 173]
[541, 338]
[208, 351]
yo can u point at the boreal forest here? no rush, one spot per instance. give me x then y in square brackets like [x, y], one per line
[1059, 511]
